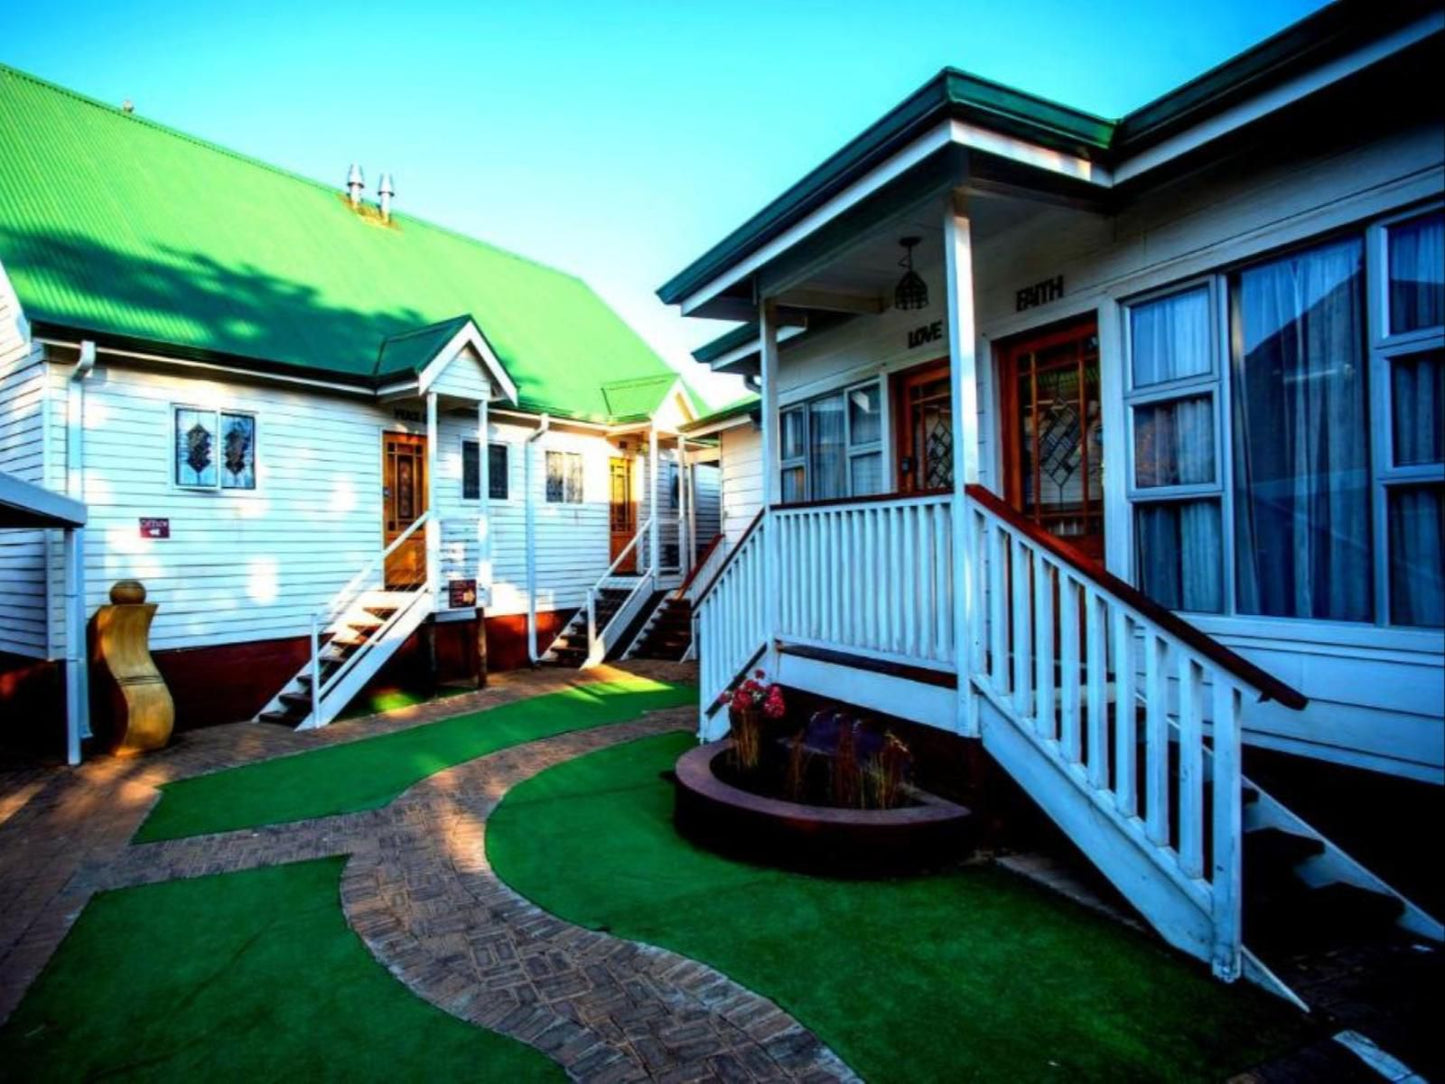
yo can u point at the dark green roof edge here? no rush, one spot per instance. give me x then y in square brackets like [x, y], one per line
[1311, 41]
[736, 409]
[950, 93]
[725, 343]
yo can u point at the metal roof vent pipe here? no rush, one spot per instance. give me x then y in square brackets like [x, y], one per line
[354, 184]
[386, 190]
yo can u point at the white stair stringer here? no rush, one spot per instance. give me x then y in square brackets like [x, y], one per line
[1177, 907]
[409, 610]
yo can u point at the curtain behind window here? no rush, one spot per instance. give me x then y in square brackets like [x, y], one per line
[827, 463]
[1301, 437]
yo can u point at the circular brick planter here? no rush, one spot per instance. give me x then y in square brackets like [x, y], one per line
[810, 838]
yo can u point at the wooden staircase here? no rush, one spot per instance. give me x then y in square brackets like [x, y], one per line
[668, 632]
[572, 646]
[353, 637]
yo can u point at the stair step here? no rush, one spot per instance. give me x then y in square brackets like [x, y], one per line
[280, 718]
[1356, 907]
[300, 701]
[1273, 849]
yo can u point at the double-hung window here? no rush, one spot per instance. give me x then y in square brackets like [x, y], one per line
[1408, 364]
[564, 478]
[832, 446]
[1173, 416]
[1287, 432]
[472, 471]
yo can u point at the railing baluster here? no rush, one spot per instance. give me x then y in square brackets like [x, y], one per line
[910, 581]
[1022, 582]
[1191, 766]
[1097, 649]
[997, 631]
[1126, 713]
[1068, 666]
[1045, 578]
[1156, 737]
[1226, 886]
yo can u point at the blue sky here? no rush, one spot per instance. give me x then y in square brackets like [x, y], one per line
[615, 140]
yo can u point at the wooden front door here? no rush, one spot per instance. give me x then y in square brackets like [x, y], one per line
[403, 501]
[1052, 432]
[925, 429]
[623, 512]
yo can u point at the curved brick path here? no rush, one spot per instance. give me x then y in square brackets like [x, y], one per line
[419, 891]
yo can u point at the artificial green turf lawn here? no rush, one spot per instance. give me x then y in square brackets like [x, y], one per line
[371, 772]
[239, 976]
[970, 975]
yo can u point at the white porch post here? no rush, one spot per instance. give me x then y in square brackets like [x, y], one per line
[770, 438]
[684, 548]
[433, 531]
[963, 385]
[689, 478]
[654, 533]
[484, 495]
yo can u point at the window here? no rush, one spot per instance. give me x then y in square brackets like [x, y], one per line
[832, 446]
[214, 449]
[1175, 480]
[673, 486]
[1305, 478]
[564, 478]
[472, 471]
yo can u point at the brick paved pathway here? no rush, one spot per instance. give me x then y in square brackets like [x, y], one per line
[418, 890]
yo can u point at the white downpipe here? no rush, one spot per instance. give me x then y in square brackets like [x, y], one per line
[544, 423]
[77, 680]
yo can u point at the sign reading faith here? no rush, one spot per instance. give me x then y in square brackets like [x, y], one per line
[1040, 293]
[154, 528]
[928, 333]
[461, 594]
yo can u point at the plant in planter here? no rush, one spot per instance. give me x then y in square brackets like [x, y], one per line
[748, 702]
[884, 773]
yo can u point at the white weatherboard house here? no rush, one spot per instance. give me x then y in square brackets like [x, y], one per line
[315, 429]
[1118, 446]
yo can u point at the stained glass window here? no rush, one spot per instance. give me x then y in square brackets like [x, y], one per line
[196, 452]
[238, 451]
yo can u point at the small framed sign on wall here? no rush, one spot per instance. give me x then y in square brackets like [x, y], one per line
[153, 527]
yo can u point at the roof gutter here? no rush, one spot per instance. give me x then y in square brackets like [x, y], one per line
[544, 423]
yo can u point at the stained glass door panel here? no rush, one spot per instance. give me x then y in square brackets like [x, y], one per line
[404, 501]
[1053, 452]
[925, 430]
[623, 515]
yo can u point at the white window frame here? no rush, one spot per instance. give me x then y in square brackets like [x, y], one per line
[505, 473]
[851, 451]
[216, 413]
[1383, 348]
[581, 495]
[1213, 383]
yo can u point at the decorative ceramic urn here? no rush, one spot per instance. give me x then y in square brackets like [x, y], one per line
[142, 711]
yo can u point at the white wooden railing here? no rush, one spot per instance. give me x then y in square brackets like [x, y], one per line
[1137, 710]
[729, 616]
[639, 588]
[870, 577]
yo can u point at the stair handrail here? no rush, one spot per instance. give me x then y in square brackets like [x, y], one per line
[702, 559]
[343, 598]
[731, 557]
[377, 636]
[1263, 683]
[589, 607]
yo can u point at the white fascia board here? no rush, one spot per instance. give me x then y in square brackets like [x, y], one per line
[227, 370]
[41, 502]
[1284, 95]
[469, 335]
[708, 429]
[739, 353]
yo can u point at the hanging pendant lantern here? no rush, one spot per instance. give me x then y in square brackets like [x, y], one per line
[912, 291]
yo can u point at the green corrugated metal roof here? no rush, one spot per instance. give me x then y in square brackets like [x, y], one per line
[122, 228]
[412, 351]
[636, 398]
